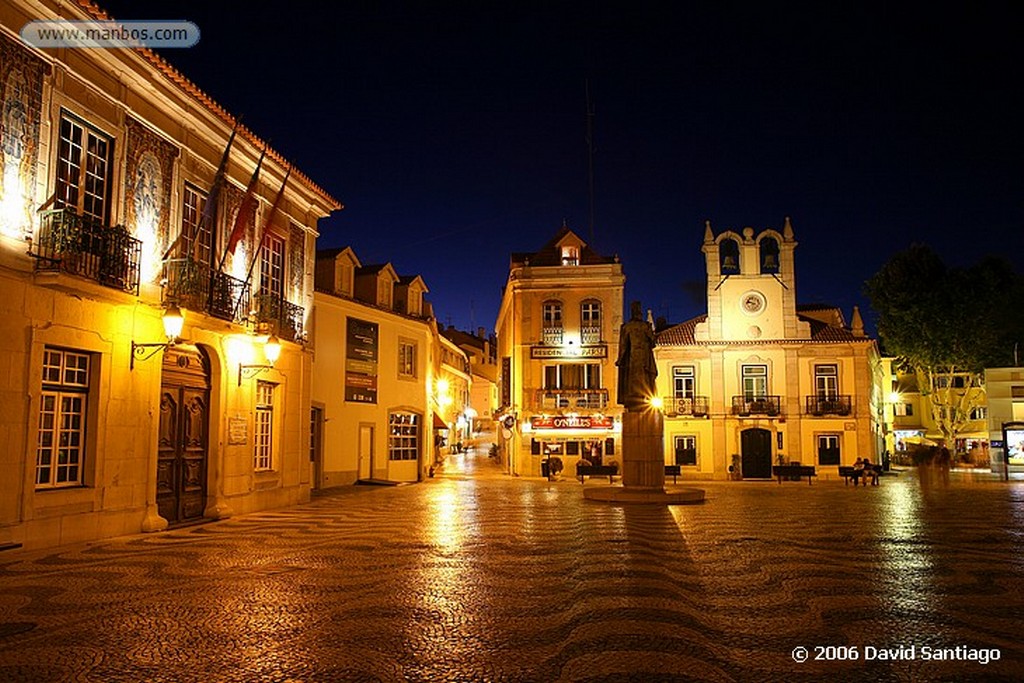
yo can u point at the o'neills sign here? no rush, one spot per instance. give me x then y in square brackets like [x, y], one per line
[578, 422]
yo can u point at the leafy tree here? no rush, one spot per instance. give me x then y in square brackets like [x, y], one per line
[947, 325]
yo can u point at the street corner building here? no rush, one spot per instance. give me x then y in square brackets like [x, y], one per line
[760, 380]
[390, 393]
[557, 332]
[156, 280]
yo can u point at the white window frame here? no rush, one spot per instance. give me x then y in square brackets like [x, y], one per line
[684, 381]
[752, 377]
[272, 266]
[263, 430]
[553, 314]
[835, 439]
[404, 436]
[63, 413]
[826, 380]
[406, 358]
[686, 439]
[84, 168]
[193, 204]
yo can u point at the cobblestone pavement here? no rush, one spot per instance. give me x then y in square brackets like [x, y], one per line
[491, 578]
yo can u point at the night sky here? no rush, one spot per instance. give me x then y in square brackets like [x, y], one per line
[455, 134]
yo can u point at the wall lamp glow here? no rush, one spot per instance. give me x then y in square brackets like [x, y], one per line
[272, 350]
[174, 320]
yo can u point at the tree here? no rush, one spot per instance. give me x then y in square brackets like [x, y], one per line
[947, 325]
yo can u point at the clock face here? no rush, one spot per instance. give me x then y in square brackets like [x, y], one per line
[752, 303]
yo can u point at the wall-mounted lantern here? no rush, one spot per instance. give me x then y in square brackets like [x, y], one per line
[174, 321]
[272, 351]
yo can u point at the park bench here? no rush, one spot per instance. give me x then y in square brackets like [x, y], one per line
[673, 471]
[794, 472]
[846, 472]
[596, 471]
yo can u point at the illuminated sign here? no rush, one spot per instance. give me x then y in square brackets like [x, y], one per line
[596, 351]
[572, 422]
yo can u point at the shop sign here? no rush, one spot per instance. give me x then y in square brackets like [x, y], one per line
[572, 422]
[595, 351]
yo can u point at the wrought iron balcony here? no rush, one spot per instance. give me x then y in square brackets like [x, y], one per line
[676, 406]
[590, 335]
[569, 399]
[756, 405]
[828, 405]
[83, 246]
[281, 317]
[200, 287]
[552, 336]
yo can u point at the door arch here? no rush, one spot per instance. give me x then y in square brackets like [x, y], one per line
[756, 453]
[183, 441]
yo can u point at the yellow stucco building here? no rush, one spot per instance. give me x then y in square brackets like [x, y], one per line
[760, 380]
[108, 160]
[557, 330]
[389, 393]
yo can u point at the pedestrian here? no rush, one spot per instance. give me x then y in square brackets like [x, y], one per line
[943, 462]
[870, 472]
[858, 470]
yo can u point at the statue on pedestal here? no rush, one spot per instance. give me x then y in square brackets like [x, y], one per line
[637, 369]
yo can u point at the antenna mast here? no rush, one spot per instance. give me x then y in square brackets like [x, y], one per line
[590, 156]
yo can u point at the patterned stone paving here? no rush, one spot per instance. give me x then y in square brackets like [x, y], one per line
[474, 576]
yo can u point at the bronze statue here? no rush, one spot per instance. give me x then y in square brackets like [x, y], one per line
[637, 370]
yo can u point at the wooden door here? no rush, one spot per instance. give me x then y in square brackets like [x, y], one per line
[756, 451]
[182, 446]
[366, 463]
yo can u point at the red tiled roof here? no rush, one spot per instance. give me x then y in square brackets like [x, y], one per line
[96, 12]
[821, 333]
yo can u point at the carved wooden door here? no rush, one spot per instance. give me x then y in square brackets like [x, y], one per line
[183, 443]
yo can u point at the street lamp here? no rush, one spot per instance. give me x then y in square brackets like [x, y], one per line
[272, 351]
[174, 321]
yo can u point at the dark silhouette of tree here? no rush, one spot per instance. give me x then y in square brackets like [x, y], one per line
[947, 325]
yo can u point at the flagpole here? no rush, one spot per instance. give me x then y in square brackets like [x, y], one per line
[263, 235]
[248, 205]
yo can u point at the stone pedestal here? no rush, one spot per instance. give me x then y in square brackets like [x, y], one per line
[643, 466]
[643, 450]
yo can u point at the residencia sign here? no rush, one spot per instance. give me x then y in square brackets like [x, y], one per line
[578, 422]
[599, 351]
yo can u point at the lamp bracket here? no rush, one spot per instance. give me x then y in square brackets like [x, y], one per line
[146, 351]
[250, 371]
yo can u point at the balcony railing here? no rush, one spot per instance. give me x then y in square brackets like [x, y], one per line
[83, 246]
[756, 405]
[281, 317]
[569, 399]
[200, 287]
[552, 336]
[590, 335]
[675, 406]
[828, 405]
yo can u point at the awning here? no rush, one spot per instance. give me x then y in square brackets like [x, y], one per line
[439, 423]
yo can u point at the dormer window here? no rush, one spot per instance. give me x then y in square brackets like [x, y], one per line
[570, 255]
[769, 256]
[384, 292]
[729, 257]
[346, 275]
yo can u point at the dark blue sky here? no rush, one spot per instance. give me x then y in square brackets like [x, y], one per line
[454, 133]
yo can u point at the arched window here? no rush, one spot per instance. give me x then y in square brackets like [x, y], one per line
[729, 257]
[769, 255]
